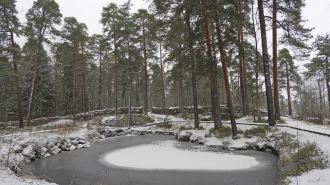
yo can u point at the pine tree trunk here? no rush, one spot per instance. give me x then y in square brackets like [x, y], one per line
[243, 69]
[74, 82]
[100, 81]
[288, 88]
[212, 75]
[275, 68]
[181, 90]
[162, 76]
[34, 82]
[193, 74]
[327, 77]
[85, 98]
[271, 118]
[226, 79]
[130, 85]
[256, 107]
[241, 74]
[145, 107]
[116, 68]
[17, 86]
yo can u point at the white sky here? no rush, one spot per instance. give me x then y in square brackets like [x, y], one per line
[317, 12]
[85, 11]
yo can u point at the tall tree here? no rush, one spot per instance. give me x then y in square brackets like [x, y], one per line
[11, 25]
[212, 72]
[109, 19]
[322, 46]
[75, 33]
[271, 118]
[41, 19]
[225, 73]
[275, 70]
[145, 24]
[288, 71]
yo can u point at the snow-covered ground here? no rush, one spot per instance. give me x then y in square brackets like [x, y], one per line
[315, 177]
[164, 155]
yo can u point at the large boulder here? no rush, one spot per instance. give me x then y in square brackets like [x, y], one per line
[29, 153]
[55, 150]
[43, 152]
[183, 135]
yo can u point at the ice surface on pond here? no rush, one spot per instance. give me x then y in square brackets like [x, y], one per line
[164, 155]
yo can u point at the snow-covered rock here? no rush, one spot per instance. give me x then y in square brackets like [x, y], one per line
[184, 135]
[72, 147]
[29, 153]
[74, 142]
[55, 150]
[81, 141]
[42, 152]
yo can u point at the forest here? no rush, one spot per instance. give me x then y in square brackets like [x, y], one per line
[177, 53]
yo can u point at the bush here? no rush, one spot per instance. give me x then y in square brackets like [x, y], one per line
[259, 131]
[221, 131]
[136, 120]
[181, 128]
[164, 125]
[298, 160]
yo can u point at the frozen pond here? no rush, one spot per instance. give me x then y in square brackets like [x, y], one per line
[156, 160]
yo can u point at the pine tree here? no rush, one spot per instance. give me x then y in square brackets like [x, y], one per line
[11, 25]
[41, 19]
[271, 118]
[288, 71]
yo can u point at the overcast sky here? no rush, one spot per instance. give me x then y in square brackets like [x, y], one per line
[317, 12]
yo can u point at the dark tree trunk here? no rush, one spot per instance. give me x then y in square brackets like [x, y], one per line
[130, 84]
[226, 79]
[162, 76]
[241, 74]
[34, 82]
[74, 81]
[17, 86]
[288, 88]
[145, 106]
[256, 107]
[271, 118]
[100, 82]
[193, 74]
[243, 68]
[181, 91]
[327, 77]
[116, 68]
[85, 98]
[275, 68]
[212, 75]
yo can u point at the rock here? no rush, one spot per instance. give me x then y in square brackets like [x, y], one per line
[183, 135]
[18, 149]
[49, 145]
[72, 147]
[87, 145]
[80, 146]
[46, 155]
[55, 150]
[205, 118]
[75, 142]
[81, 141]
[42, 152]
[194, 138]
[202, 141]
[29, 153]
